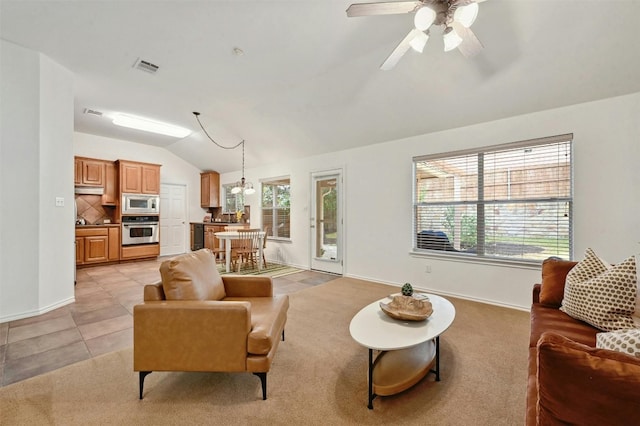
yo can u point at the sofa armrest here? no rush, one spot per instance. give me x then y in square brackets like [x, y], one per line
[154, 291]
[247, 286]
[191, 335]
[578, 384]
[536, 293]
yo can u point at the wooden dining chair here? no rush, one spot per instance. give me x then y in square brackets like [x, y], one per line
[235, 245]
[249, 245]
[264, 246]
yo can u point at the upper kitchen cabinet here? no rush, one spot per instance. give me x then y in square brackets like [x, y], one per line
[110, 196]
[89, 172]
[139, 178]
[209, 190]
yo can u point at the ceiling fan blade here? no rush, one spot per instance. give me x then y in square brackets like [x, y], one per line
[470, 45]
[385, 8]
[399, 51]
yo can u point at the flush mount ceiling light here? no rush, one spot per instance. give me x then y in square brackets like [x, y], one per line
[242, 185]
[455, 15]
[147, 125]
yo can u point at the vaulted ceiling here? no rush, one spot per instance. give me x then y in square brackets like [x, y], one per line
[308, 81]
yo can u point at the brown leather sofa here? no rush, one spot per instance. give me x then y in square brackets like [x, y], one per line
[571, 381]
[196, 320]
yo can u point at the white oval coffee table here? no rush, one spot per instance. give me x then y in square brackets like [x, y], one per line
[408, 349]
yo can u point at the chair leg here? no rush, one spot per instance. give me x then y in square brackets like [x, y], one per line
[283, 334]
[263, 381]
[143, 374]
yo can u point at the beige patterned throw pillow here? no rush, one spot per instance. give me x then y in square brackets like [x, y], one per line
[606, 299]
[625, 341]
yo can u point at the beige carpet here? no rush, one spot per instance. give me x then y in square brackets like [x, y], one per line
[318, 377]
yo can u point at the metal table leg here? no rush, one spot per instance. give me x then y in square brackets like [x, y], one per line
[371, 394]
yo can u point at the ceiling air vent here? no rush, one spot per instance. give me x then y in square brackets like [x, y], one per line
[146, 66]
[92, 112]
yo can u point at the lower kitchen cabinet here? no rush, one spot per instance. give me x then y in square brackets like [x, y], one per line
[140, 251]
[99, 244]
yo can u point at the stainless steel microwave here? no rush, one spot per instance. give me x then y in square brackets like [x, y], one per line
[140, 204]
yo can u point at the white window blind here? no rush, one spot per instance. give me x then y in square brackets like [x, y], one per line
[511, 201]
[276, 208]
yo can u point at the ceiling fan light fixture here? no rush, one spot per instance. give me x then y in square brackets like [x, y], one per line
[419, 41]
[466, 15]
[451, 39]
[424, 18]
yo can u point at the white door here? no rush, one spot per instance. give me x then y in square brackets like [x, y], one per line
[173, 213]
[326, 221]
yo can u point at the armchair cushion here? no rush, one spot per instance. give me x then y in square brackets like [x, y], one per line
[192, 276]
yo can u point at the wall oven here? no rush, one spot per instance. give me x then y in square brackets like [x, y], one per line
[140, 230]
[140, 204]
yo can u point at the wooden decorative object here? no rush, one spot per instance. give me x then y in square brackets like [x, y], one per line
[407, 308]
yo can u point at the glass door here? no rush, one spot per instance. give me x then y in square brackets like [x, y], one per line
[326, 222]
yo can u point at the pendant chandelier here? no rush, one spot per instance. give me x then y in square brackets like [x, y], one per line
[242, 185]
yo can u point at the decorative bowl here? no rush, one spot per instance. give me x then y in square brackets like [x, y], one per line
[407, 308]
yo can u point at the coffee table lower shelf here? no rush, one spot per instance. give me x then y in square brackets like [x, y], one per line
[395, 371]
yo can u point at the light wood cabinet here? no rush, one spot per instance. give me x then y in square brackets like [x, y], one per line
[209, 190]
[89, 172]
[110, 196]
[139, 178]
[150, 179]
[114, 244]
[97, 245]
[140, 252]
[79, 250]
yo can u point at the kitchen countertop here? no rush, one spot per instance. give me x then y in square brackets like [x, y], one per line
[106, 225]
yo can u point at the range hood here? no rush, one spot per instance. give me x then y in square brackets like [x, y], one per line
[89, 190]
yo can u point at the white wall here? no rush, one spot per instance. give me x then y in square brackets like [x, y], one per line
[36, 166]
[174, 170]
[36, 245]
[378, 212]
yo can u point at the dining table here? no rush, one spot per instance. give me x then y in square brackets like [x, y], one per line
[228, 236]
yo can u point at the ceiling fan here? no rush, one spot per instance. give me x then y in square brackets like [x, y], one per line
[456, 16]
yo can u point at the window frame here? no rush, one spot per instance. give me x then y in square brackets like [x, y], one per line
[226, 190]
[483, 151]
[274, 209]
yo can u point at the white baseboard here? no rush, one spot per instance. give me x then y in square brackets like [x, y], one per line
[36, 312]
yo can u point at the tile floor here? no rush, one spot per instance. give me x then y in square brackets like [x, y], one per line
[99, 321]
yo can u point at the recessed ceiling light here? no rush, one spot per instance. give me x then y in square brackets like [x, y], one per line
[139, 123]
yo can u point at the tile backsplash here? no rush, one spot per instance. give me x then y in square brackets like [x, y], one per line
[90, 209]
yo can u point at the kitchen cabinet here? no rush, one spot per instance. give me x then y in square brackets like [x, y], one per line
[97, 244]
[209, 190]
[110, 196]
[89, 172]
[141, 251]
[139, 178]
[114, 243]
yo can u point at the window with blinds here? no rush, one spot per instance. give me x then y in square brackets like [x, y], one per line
[511, 201]
[276, 207]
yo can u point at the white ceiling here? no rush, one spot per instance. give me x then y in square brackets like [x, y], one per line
[308, 81]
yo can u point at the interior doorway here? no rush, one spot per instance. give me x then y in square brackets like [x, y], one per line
[327, 204]
[173, 213]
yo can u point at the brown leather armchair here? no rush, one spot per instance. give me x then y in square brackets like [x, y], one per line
[196, 320]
